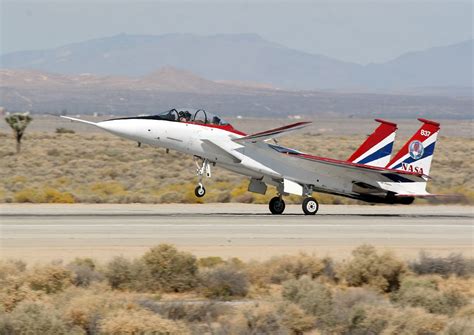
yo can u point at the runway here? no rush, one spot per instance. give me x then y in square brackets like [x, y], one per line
[47, 232]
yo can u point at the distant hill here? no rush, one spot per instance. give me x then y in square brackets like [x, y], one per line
[168, 87]
[249, 58]
[166, 79]
[449, 66]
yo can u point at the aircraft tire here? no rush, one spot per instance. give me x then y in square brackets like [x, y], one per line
[310, 206]
[277, 205]
[199, 191]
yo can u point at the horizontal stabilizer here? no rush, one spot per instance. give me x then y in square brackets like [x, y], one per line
[272, 133]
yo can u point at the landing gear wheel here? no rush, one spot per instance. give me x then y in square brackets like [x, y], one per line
[310, 206]
[276, 205]
[200, 191]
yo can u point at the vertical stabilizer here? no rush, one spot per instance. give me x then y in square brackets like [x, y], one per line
[377, 148]
[417, 153]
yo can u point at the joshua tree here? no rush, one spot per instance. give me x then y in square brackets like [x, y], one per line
[18, 122]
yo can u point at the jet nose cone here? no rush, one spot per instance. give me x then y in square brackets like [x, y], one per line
[122, 128]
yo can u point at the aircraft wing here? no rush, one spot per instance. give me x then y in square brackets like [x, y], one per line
[212, 147]
[272, 133]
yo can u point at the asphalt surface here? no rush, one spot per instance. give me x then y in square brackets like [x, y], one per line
[47, 232]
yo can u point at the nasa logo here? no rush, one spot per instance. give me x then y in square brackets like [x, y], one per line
[411, 168]
[416, 149]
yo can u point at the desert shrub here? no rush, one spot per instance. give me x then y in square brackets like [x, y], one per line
[313, 297]
[132, 275]
[86, 307]
[119, 272]
[170, 269]
[34, 318]
[223, 282]
[416, 292]
[53, 152]
[382, 272]
[105, 189]
[209, 262]
[415, 321]
[47, 195]
[349, 304]
[293, 267]
[10, 268]
[85, 312]
[453, 264]
[14, 292]
[459, 326]
[466, 312]
[62, 130]
[295, 319]
[387, 320]
[140, 322]
[27, 195]
[195, 311]
[83, 272]
[50, 278]
[171, 197]
[255, 319]
[329, 270]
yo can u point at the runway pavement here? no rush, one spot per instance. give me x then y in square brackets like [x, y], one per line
[46, 232]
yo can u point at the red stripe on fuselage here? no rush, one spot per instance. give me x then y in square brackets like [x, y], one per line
[226, 127]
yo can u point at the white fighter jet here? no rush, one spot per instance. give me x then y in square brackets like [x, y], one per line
[368, 175]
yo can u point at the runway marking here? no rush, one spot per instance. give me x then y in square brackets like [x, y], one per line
[227, 215]
[130, 225]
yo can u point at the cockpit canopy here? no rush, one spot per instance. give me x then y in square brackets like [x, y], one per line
[198, 116]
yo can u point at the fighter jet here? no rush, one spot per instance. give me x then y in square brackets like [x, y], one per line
[369, 174]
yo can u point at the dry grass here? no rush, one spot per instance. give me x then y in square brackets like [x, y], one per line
[45, 299]
[101, 168]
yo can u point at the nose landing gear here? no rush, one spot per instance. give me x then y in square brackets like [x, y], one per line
[204, 167]
[200, 191]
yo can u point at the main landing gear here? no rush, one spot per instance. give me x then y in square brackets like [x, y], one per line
[277, 205]
[203, 167]
[310, 206]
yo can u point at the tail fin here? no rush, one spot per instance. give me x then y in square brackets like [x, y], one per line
[417, 153]
[377, 148]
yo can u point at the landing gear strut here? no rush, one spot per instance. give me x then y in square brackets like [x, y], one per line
[203, 167]
[277, 205]
[310, 206]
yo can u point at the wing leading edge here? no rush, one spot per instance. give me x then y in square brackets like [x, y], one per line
[272, 133]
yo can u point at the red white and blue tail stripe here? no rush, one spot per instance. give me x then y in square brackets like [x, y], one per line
[377, 148]
[417, 153]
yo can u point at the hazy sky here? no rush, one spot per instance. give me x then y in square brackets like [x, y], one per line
[357, 31]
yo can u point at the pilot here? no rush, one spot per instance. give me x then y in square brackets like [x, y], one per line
[187, 116]
[216, 120]
[182, 116]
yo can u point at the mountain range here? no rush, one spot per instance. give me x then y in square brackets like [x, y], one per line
[168, 87]
[250, 58]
